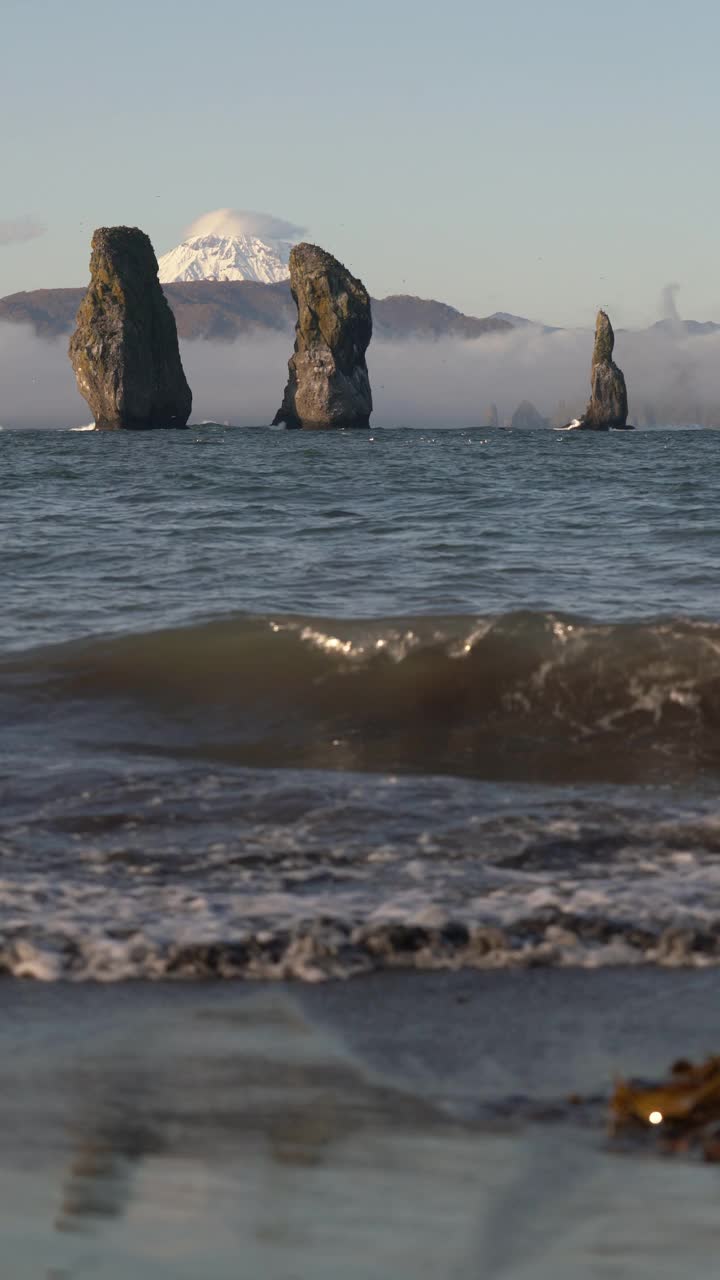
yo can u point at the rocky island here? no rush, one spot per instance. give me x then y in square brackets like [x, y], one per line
[608, 404]
[328, 383]
[124, 350]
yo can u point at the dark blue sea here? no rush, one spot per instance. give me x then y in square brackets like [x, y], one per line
[294, 704]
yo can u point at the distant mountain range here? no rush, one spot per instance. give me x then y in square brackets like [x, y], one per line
[221, 287]
[694, 328]
[222, 310]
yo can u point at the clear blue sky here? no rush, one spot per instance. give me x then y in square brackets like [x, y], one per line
[537, 157]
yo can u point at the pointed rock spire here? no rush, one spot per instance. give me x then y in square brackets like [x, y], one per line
[608, 404]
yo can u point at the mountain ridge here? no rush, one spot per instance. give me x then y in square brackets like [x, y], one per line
[223, 310]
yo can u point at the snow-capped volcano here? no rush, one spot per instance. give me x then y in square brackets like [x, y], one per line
[226, 257]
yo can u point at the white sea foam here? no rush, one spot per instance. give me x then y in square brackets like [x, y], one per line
[312, 895]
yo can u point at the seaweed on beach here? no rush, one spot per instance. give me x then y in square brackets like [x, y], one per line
[683, 1109]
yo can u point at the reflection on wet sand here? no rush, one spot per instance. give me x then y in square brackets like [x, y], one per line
[292, 1108]
[100, 1179]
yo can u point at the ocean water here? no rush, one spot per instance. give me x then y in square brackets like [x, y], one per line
[288, 704]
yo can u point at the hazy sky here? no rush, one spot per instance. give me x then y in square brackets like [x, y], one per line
[542, 158]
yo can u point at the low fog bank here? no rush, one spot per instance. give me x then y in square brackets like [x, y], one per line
[672, 378]
[37, 385]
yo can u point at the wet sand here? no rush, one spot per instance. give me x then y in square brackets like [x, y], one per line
[395, 1126]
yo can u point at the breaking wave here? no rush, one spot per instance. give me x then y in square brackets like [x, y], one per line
[521, 696]
[295, 797]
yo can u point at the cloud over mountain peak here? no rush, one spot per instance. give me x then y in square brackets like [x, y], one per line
[243, 222]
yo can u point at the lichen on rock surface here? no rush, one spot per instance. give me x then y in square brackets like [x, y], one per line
[124, 350]
[328, 383]
[608, 404]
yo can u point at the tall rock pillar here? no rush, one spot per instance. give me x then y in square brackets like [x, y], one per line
[328, 383]
[125, 349]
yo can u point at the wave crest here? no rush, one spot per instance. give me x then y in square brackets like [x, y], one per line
[534, 696]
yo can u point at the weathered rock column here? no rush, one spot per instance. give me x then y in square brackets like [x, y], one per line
[608, 405]
[125, 349]
[328, 384]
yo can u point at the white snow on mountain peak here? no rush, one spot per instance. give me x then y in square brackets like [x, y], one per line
[226, 257]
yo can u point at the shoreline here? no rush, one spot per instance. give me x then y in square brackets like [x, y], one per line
[399, 1124]
[573, 1026]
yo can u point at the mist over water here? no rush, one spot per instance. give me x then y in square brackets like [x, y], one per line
[672, 378]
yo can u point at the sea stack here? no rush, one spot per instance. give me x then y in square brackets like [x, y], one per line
[125, 349]
[608, 405]
[527, 418]
[328, 383]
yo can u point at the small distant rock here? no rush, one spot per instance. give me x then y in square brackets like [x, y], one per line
[527, 416]
[328, 384]
[125, 349]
